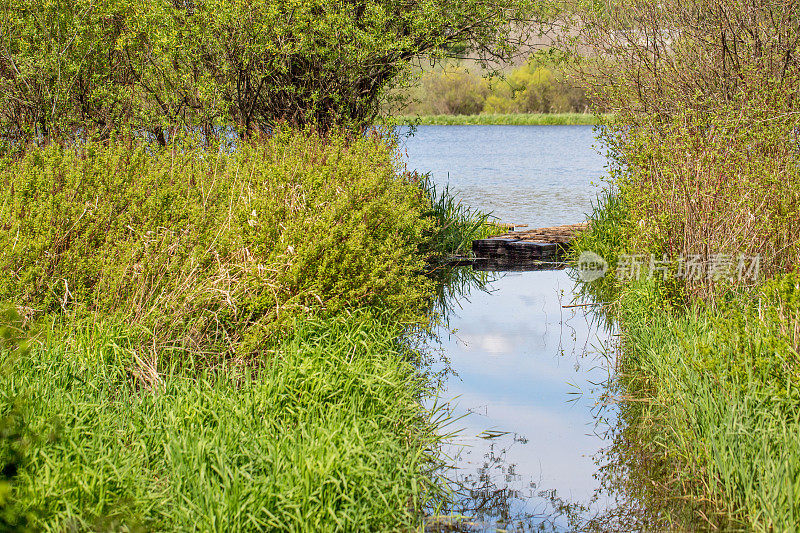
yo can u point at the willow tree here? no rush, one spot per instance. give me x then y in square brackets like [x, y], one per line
[83, 66]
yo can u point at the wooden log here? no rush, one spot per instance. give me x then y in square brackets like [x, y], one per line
[521, 247]
[491, 247]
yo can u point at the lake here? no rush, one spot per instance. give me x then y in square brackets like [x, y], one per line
[527, 371]
[536, 175]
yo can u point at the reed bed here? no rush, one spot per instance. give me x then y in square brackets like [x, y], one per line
[718, 437]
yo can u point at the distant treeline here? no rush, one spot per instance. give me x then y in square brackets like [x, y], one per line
[534, 87]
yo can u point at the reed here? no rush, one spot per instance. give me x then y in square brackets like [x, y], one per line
[454, 224]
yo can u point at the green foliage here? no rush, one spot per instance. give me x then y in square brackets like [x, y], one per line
[457, 91]
[211, 249]
[328, 435]
[13, 458]
[537, 87]
[89, 68]
[455, 225]
[710, 433]
[607, 236]
[15, 436]
[705, 125]
[704, 148]
[220, 335]
[723, 409]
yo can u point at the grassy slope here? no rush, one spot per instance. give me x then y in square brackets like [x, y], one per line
[328, 435]
[522, 119]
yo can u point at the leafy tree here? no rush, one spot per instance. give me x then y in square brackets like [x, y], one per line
[89, 67]
[454, 91]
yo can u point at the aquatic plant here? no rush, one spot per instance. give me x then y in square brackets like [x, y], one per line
[454, 224]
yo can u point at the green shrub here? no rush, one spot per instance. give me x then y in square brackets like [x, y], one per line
[706, 130]
[88, 68]
[537, 86]
[534, 88]
[454, 91]
[210, 249]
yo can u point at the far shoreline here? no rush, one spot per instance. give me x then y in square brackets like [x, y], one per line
[512, 119]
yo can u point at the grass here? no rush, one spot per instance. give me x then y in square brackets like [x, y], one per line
[455, 225]
[517, 119]
[709, 392]
[327, 435]
[718, 409]
[220, 342]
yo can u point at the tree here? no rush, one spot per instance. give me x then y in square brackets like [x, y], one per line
[86, 67]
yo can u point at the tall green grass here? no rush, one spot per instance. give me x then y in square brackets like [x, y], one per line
[721, 406]
[709, 395]
[454, 224]
[220, 338]
[326, 435]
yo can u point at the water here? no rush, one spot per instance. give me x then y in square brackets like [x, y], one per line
[528, 371]
[536, 175]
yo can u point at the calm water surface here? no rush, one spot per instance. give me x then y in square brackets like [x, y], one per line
[537, 175]
[528, 372]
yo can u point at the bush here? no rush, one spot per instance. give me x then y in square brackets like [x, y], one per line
[537, 86]
[88, 68]
[706, 125]
[453, 90]
[210, 249]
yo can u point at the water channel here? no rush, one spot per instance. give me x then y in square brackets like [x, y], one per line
[527, 367]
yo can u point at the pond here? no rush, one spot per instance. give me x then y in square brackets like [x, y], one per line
[528, 367]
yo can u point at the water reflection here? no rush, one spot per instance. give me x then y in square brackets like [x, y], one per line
[525, 375]
[528, 374]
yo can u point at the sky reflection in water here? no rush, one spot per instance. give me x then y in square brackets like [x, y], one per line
[524, 364]
[529, 367]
